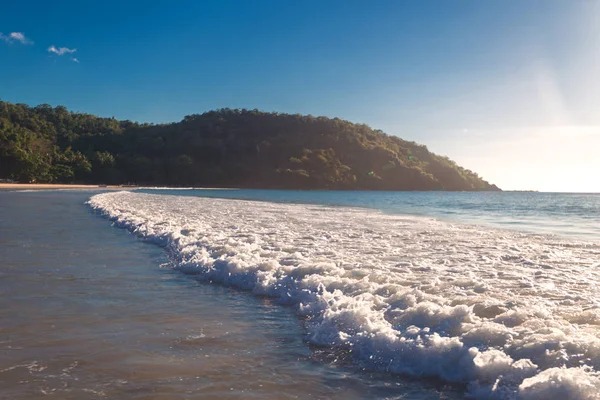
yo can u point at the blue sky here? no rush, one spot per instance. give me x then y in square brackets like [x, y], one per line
[509, 89]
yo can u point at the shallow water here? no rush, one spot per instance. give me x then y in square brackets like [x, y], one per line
[87, 311]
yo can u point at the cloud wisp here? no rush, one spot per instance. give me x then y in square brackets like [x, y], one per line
[60, 50]
[15, 37]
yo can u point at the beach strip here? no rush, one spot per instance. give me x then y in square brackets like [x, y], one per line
[54, 186]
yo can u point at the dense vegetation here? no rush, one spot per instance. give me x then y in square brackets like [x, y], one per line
[241, 148]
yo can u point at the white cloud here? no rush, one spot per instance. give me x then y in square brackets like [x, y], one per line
[61, 50]
[75, 60]
[15, 37]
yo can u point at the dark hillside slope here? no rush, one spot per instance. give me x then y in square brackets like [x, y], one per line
[225, 147]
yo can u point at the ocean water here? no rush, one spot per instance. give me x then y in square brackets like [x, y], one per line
[564, 214]
[88, 311]
[300, 294]
[506, 313]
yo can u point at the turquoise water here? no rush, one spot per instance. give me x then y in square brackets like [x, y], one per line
[564, 214]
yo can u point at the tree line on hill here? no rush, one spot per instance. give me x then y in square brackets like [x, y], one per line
[225, 148]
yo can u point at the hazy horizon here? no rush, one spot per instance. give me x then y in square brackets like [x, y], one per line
[506, 89]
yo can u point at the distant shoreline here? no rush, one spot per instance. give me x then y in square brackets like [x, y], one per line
[51, 186]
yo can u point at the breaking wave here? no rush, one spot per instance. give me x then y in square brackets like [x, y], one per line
[512, 315]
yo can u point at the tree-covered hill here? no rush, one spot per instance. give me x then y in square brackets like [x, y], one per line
[228, 148]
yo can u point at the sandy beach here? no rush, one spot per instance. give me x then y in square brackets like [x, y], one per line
[39, 186]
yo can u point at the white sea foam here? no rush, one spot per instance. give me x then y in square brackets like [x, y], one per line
[512, 315]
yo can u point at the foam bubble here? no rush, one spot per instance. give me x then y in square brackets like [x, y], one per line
[560, 383]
